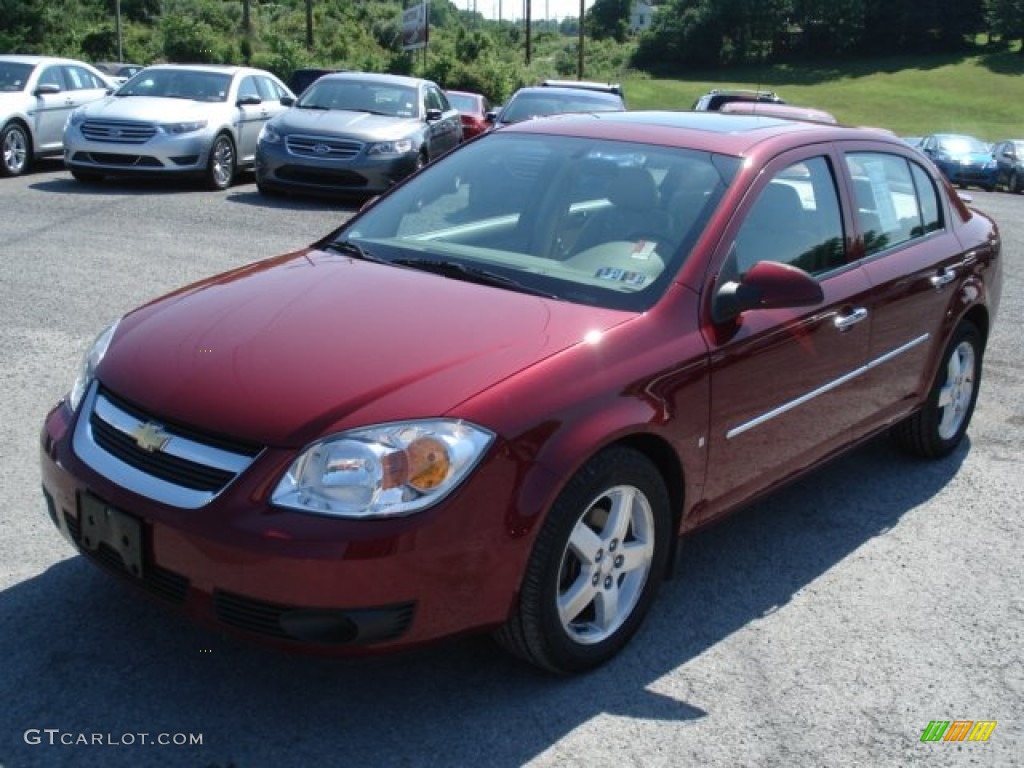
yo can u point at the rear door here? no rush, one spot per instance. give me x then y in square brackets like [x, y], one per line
[916, 266]
[784, 383]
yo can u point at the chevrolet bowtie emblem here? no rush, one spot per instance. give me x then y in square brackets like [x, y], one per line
[150, 437]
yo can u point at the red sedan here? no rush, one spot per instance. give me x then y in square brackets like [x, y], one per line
[473, 109]
[496, 398]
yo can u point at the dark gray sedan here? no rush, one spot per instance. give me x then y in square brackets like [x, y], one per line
[356, 133]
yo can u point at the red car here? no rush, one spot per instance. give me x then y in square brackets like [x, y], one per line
[473, 109]
[495, 398]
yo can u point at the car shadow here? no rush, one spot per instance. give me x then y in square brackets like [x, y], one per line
[89, 656]
[132, 186]
[253, 197]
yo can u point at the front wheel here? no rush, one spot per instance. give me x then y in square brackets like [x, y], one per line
[220, 171]
[14, 146]
[596, 566]
[937, 429]
[1014, 185]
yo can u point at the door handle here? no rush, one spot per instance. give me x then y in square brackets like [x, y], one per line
[943, 278]
[846, 322]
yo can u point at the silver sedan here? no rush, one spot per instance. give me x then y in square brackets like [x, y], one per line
[175, 119]
[37, 93]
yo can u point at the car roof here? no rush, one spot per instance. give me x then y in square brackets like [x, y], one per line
[584, 85]
[19, 58]
[549, 90]
[772, 109]
[730, 134]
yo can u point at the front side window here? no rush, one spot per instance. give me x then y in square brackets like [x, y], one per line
[795, 220]
[604, 223]
[896, 200]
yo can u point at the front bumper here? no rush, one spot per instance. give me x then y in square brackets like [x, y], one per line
[297, 581]
[162, 154]
[278, 169]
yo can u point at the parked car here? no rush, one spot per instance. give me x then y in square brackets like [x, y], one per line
[1009, 156]
[715, 99]
[772, 109]
[543, 100]
[37, 93]
[301, 79]
[438, 419]
[473, 109]
[118, 71]
[965, 160]
[175, 119]
[356, 133]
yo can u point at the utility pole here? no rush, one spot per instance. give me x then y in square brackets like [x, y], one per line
[246, 18]
[579, 63]
[117, 14]
[309, 25]
[528, 25]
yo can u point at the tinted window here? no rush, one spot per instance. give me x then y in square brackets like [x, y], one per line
[795, 220]
[894, 204]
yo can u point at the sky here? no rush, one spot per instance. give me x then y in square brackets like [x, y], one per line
[514, 9]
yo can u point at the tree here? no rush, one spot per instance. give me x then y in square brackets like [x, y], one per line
[609, 19]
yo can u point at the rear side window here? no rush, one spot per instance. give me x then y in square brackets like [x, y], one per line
[896, 200]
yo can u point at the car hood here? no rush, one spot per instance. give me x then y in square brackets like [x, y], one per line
[342, 123]
[284, 351]
[156, 109]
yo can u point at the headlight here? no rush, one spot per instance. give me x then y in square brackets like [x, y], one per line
[389, 470]
[178, 128]
[391, 147]
[87, 368]
[269, 134]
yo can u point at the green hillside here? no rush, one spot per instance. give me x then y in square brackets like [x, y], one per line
[981, 94]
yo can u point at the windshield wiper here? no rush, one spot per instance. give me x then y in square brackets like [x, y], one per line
[461, 271]
[350, 248]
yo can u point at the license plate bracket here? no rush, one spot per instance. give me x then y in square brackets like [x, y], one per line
[120, 531]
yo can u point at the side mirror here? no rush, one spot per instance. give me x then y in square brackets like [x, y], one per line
[491, 116]
[287, 101]
[249, 101]
[47, 89]
[433, 115]
[767, 285]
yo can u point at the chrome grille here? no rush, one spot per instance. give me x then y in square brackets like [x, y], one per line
[118, 131]
[323, 147]
[177, 466]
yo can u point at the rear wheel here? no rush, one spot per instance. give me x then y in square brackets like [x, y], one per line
[1014, 184]
[15, 148]
[596, 566]
[937, 429]
[220, 171]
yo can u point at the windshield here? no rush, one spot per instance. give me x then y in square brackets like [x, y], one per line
[605, 223]
[529, 105]
[462, 102]
[13, 76]
[178, 84]
[963, 145]
[355, 96]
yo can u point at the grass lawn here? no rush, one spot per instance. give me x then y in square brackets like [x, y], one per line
[981, 95]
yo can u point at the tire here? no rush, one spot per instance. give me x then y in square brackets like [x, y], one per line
[221, 168]
[15, 150]
[615, 562]
[1014, 184]
[86, 177]
[937, 429]
[989, 187]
